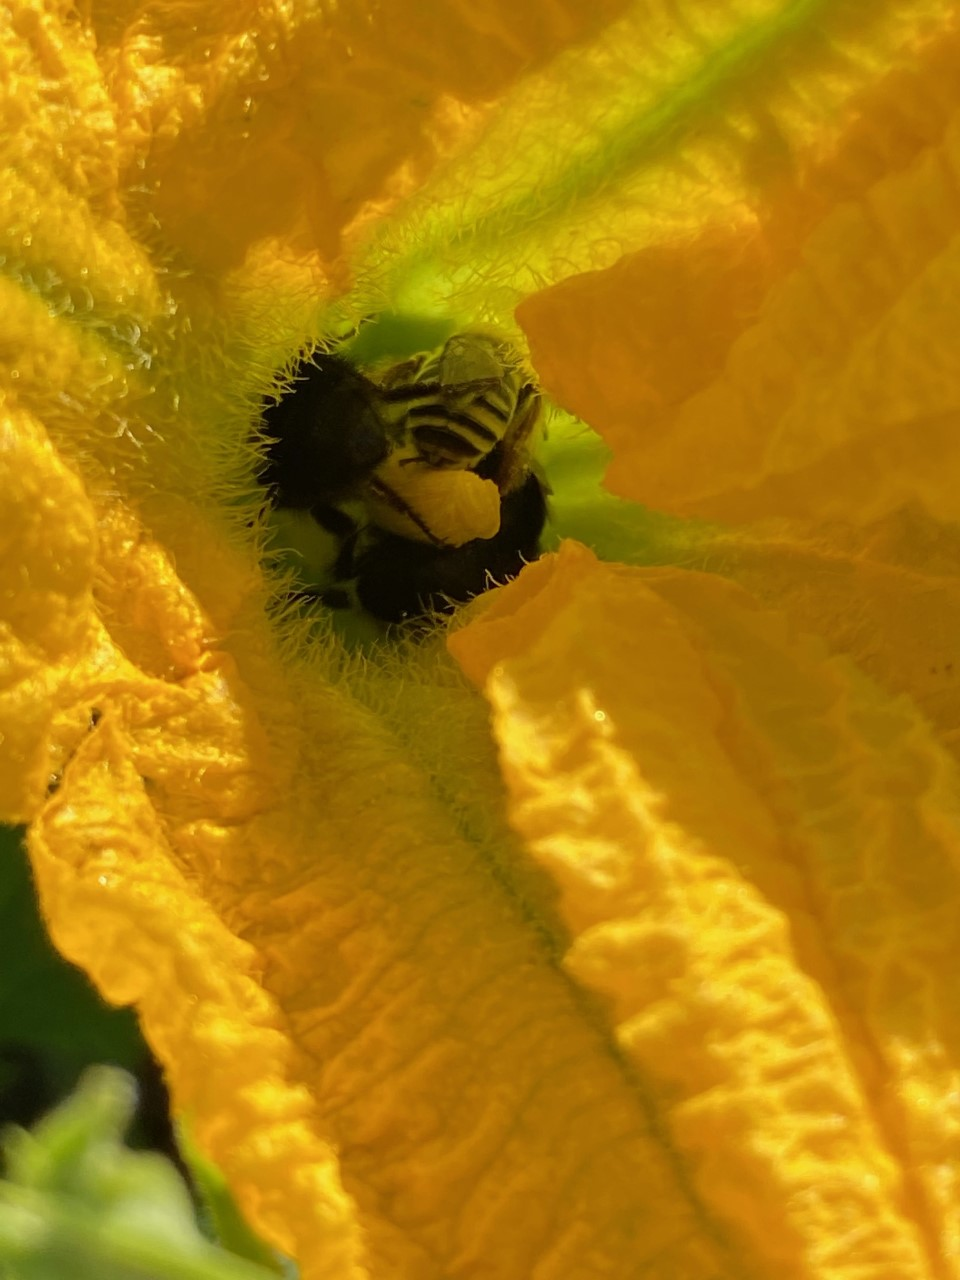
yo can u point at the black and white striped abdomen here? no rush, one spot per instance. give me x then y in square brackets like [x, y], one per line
[451, 421]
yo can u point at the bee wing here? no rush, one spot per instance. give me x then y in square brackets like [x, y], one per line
[518, 443]
[469, 362]
[399, 375]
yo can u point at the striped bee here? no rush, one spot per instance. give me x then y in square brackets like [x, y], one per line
[468, 406]
[422, 470]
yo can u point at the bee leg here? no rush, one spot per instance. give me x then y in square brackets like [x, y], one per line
[345, 528]
[335, 598]
[331, 597]
[333, 520]
[345, 564]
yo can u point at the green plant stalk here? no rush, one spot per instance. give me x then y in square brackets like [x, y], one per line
[33, 1225]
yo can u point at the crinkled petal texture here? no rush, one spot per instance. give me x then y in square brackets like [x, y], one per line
[635, 953]
[824, 317]
[757, 857]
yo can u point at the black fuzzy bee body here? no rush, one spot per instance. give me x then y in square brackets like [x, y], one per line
[327, 435]
[337, 438]
[398, 580]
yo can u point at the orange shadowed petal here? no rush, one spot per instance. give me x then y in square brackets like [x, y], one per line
[800, 361]
[887, 595]
[627, 371]
[283, 120]
[757, 854]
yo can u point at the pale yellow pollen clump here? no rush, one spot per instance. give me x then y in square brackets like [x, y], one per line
[432, 505]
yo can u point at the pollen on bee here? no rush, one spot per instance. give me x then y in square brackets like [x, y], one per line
[447, 506]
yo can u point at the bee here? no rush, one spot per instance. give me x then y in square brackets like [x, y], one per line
[468, 406]
[398, 579]
[421, 470]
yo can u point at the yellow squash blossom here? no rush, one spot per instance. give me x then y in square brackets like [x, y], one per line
[619, 934]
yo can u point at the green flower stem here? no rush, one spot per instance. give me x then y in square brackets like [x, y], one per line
[36, 1227]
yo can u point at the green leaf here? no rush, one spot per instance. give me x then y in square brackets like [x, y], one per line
[79, 1203]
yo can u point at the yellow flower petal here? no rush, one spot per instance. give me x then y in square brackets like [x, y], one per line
[757, 860]
[300, 995]
[799, 363]
[47, 541]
